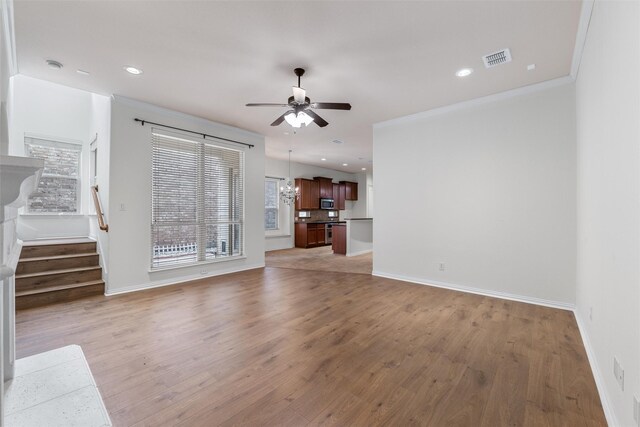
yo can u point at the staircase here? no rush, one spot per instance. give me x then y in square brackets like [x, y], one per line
[57, 271]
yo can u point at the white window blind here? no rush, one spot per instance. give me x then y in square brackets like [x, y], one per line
[271, 204]
[59, 187]
[197, 201]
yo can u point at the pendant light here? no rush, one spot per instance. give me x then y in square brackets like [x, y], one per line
[289, 194]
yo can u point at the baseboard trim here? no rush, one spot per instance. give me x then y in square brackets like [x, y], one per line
[478, 291]
[597, 374]
[182, 280]
[366, 251]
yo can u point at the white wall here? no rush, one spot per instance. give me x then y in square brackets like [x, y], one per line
[130, 186]
[284, 238]
[5, 74]
[369, 195]
[100, 130]
[49, 110]
[488, 189]
[608, 135]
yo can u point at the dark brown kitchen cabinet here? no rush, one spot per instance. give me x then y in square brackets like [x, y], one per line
[309, 194]
[351, 190]
[300, 201]
[309, 235]
[312, 235]
[315, 195]
[325, 187]
[339, 239]
[341, 195]
[320, 234]
[336, 195]
[354, 191]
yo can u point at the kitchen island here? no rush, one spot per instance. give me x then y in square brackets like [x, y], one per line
[353, 237]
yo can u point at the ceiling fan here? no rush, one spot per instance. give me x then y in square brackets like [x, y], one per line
[301, 112]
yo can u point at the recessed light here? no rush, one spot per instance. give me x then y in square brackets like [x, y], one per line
[345, 164]
[337, 141]
[132, 70]
[323, 159]
[531, 67]
[364, 169]
[83, 72]
[286, 133]
[464, 72]
[54, 64]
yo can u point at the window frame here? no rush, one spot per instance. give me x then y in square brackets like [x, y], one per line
[276, 182]
[200, 185]
[52, 141]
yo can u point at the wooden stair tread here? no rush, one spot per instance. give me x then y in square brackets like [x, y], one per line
[53, 242]
[51, 272]
[45, 289]
[54, 257]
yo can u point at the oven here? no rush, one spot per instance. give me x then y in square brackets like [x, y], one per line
[328, 233]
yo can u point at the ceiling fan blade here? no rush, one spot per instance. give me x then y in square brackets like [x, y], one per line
[316, 118]
[280, 119]
[267, 105]
[299, 94]
[331, 105]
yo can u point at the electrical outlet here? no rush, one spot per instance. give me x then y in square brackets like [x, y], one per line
[618, 371]
[636, 410]
[204, 271]
[442, 266]
[122, 207]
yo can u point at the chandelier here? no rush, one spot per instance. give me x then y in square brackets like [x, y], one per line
[289, 194]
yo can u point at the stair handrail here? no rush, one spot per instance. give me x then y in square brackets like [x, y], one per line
[96, 201]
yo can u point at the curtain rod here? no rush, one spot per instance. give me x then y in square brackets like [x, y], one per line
[275, 177]
[204, 135]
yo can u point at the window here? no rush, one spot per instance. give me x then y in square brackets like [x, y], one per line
[197, 201]
[94, 162]
[271, 204]
[59, 187]
[93, 171]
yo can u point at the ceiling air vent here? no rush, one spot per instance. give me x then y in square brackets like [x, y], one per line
[497, 58]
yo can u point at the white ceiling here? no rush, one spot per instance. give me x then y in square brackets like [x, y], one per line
[209, 58]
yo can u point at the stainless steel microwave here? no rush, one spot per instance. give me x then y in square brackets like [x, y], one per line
[326, 204]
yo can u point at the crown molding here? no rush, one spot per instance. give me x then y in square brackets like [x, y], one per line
[524, 90]
[206, 123]
[581, 36]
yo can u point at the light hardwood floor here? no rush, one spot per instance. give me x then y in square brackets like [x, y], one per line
[279, 346]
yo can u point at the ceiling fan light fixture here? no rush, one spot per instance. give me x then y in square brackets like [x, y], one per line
[292, 120]
[299, 119]
[301, 108]
[305, 118]
[299, 94]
